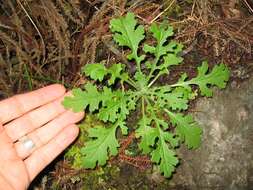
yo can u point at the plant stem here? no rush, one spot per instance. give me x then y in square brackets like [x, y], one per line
[122, 86]
[143, 106]
[168, 112]
[138, 63]
[132, 83]
[153, 69]
[154, 116]
[181, 84]
[152, 82]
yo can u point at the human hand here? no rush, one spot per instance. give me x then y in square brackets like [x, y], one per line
[34, 129]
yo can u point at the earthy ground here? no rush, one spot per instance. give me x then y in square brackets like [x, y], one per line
[48, 41]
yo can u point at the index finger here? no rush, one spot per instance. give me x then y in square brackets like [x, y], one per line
[18, 105]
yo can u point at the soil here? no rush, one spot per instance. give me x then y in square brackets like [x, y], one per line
[45, 42]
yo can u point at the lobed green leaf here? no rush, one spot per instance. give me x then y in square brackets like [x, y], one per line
[96, 71]
[104, 143]
[217, 77]
[127, 33]
[167, 98]
[161, 34]
[77, 102]
[115, 106]
[187, 129]
[147, 133]
[165, 157]
[81, 99]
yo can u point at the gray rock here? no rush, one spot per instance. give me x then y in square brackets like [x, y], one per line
[225, 159]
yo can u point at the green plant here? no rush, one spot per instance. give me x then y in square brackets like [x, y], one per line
[161, 127]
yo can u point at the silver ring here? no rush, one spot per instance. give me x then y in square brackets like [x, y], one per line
[27, 142]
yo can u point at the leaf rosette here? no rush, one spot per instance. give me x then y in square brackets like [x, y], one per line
[158, 135]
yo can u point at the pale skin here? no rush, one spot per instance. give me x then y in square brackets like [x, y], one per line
[40, 116]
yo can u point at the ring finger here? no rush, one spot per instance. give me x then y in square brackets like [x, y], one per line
[43, 135]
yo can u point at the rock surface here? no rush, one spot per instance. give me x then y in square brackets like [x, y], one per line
[225, 159]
